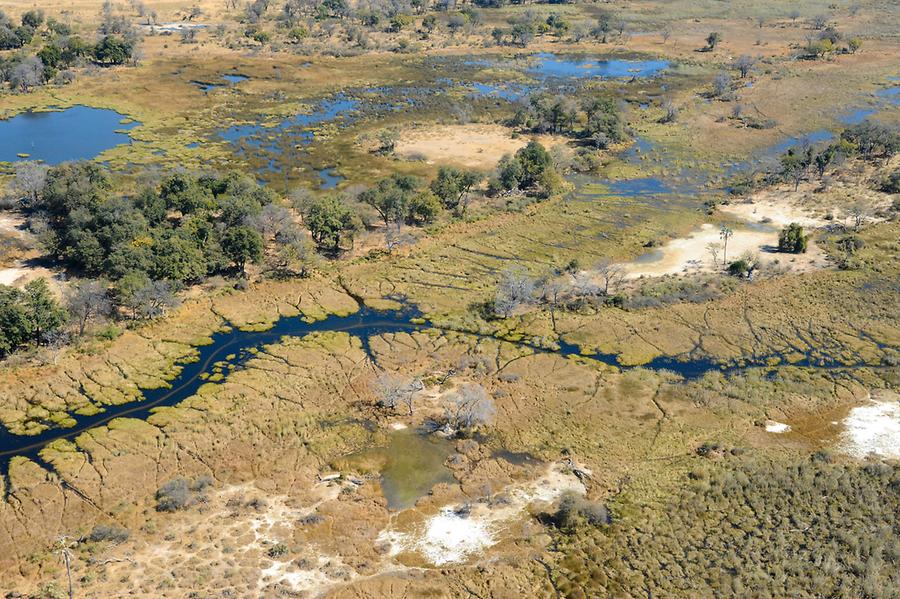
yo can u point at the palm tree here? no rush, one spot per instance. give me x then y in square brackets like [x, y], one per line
[725, 234]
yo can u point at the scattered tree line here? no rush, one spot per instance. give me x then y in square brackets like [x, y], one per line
[182, 230]
[464, 410]
[61, 52]
[568, 288]
[350, 25]
[397, 200]
[596, 118]
[825, 40]
[868, 140]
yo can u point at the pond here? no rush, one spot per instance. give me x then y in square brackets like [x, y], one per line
[76, 133]
[556, 67]
[328, 178]
[295, 129]
[207, 86]
[546, 65]
[410, 464]
[891, 95]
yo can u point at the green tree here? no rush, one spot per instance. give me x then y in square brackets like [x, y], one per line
[188, 195]
[51, 56]
[453, 185]
[33, 18]
[400, 21]
[14, 329]
[391, 197]
[242, 245]
[43, 313]
[535, 161]
[112, 50]
[792, 240]
[429, 23]
[330, 222]
[423, 208]
[795, 164]
[177, 258]
[72, 186]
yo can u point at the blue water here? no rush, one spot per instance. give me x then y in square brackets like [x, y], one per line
[329, 179]
[890, 94]
[640, 146]
[791, 142]
[77, 133]
[641, 186]
[546, 65]
[510, 91]
[207, 86]
[857, 116]
[553, 66]
[259, 137]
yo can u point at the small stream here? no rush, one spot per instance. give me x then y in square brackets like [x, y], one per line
[364, 324]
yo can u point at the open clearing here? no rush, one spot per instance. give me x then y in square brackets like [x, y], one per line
[476, 146]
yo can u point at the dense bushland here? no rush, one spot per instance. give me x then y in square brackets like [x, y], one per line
[749, 527]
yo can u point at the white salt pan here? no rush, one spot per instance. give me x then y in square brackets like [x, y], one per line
[873, 429]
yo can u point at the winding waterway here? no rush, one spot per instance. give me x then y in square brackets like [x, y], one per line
[365, 324]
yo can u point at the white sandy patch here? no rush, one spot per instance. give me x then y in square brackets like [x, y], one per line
[770, 211]
[8, 276]
[451, 538]
[458, 533]
[766, 215]
[398, 426]
[873, 428]
[691, 254]
[173, 27]
[321, 573]
[777, 427]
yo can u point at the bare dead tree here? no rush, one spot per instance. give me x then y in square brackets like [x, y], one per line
[551, 292]
[713, 249]
[393, 391]
[64, 545]
[611, 273]
[858, 214]
[468, 407]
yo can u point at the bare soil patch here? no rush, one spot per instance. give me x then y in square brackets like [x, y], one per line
[477, 146]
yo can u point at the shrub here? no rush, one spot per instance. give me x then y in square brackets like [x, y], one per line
[180, 493]
[891, 183]
[792, 240]
[744, 518]
[574, 510]
[740, 268]
[107, 532]
[173, 496]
